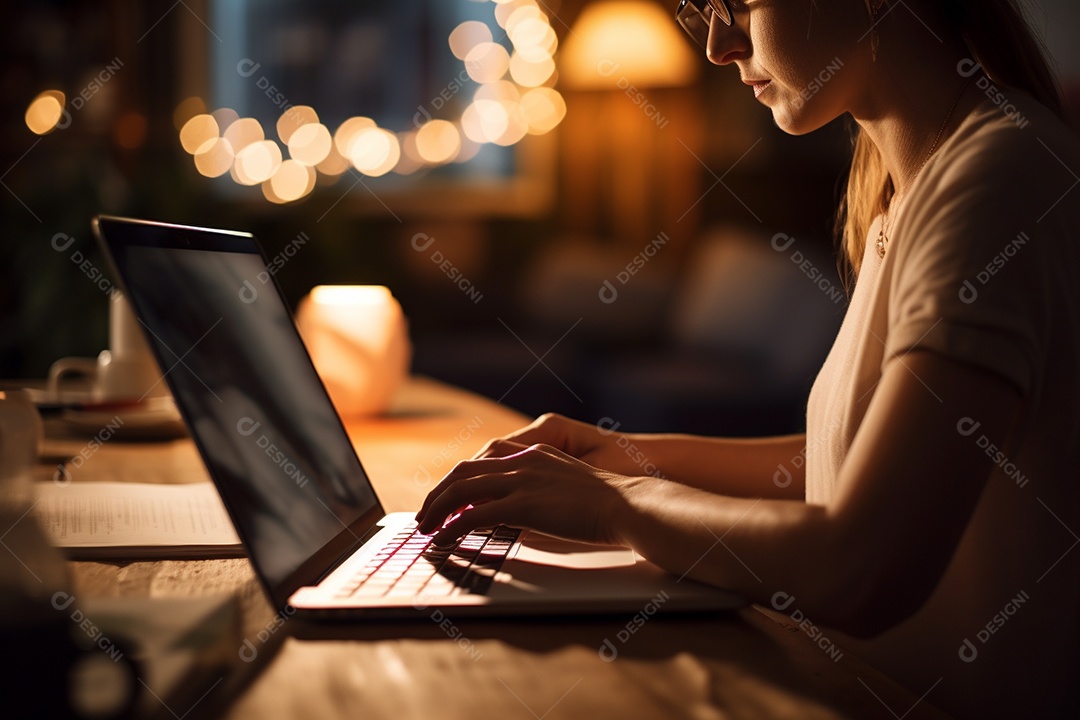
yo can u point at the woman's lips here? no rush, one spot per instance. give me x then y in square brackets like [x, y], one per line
[759, 86]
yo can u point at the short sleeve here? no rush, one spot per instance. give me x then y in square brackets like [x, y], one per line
[979, 253]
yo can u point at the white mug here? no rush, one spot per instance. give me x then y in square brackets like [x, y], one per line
[127, 371]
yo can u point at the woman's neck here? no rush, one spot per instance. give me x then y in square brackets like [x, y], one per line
[916, 96]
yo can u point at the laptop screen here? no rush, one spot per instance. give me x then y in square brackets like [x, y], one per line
[242, 378]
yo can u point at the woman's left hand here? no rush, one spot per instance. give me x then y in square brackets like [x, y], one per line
[537, 487]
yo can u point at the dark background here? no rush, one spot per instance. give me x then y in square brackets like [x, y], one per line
[721, 333]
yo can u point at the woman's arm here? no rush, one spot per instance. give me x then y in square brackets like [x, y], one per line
[750, 467]
[909, 485]
[772, 467]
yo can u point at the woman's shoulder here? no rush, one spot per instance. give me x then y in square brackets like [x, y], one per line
[1012, 156]
[1010, 136]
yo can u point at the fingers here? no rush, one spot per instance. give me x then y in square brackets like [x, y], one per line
[542, 431]
[452, 497]
[479, 481]
[464, 469]
[570, 436]
[548, 429]
[497, 512]
[500, 447]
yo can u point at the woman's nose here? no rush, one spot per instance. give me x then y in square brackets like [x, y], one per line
[726, 44]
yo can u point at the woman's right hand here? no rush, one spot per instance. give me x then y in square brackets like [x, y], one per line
[598, 445]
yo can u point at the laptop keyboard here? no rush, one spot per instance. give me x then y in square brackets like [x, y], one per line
[410, 564]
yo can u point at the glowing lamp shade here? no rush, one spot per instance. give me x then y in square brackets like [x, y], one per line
[359, 343]
[616, 43]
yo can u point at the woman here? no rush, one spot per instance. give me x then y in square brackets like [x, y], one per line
[934, 517]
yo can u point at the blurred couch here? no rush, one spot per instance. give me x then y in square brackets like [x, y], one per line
[725, 341]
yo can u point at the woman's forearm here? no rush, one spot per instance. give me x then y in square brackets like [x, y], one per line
[761, 549]
[738, 467]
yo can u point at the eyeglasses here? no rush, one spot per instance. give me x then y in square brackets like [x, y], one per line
[696, 16]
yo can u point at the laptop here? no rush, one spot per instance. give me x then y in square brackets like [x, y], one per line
[288, 474]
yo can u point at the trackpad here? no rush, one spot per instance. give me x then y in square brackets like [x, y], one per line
[539, 549]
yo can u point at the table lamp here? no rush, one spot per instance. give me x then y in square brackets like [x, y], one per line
[358, 340]
[633, 125]
[615, 43]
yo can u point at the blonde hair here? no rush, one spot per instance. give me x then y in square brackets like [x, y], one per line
[1001, 41]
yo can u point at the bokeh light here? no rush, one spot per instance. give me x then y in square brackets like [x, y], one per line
[519, 14]
[531, 73]
[410, 160]
[243, 132]
[333, 164]
[187, 109]
[487, 62]
[197, 132]
[310, 144]
[515, 98]
[269, 194]
[468, 35]
[225, 117]
[543, 108]
[438, 142]
[293, 119]
[501, 90]
[214, 158]
[44, 112]
[348, 131]
[471, 127]
[505, 10]
[516, 125]
[375, 151]
[292, 181]
[491, 120]
[257, 162]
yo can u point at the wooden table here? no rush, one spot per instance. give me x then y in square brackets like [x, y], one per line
[750, 663]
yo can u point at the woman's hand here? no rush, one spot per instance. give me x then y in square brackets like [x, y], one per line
[538, 487]
[593, 444]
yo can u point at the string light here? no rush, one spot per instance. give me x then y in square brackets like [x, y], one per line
[514, 99]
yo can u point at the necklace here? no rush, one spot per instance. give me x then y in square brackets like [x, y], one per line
[883, 237]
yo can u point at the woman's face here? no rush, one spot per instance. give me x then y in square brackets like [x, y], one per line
[807, 60]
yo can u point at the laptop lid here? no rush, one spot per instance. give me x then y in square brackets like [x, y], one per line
[244, 383]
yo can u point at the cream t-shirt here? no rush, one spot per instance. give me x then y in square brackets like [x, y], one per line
[983, 267]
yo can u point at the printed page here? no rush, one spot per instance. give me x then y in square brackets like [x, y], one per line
[134, 515]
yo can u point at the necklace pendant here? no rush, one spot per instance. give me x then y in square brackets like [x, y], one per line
[881, 244]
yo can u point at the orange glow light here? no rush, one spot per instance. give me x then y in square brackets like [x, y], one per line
[438, 142]
[197, 131]
[257, 162]
[187, 109]
[44, 112]
[487, 62]
[375, 151]
[468, 35]
[291, 181]
[310, 144]
[215, 158]
[243, 132]
[293, 119]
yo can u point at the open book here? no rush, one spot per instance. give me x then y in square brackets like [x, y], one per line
[120, 520]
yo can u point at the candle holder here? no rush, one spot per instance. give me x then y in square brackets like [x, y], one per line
[358, 339]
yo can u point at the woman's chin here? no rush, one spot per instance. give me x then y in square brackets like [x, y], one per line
[794, 123]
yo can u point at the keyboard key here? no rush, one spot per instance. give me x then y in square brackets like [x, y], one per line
[410, 565]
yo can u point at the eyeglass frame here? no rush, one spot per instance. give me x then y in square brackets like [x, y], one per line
[695, 17]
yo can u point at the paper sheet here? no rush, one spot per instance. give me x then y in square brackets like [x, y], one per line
[133, 515]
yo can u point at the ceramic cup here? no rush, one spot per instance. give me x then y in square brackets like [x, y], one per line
[126, 372]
